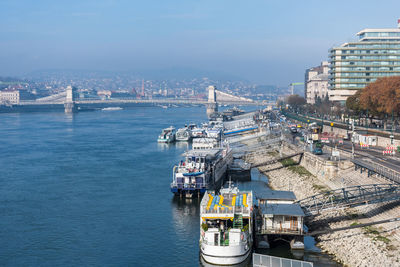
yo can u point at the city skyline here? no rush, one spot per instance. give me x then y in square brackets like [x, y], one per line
[263, 41]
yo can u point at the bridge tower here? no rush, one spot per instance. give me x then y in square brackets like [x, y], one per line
[69, 105]
[212, 105]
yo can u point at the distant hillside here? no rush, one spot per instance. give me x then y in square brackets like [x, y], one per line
[153, 74]
[10, 80]
[266, 89]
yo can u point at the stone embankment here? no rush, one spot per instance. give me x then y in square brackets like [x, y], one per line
[368, 246]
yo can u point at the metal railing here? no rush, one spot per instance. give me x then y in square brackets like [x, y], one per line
[260, 260]
[225, 210]
[350, 197]
[378, 169]
[212, 243]
[280, 231]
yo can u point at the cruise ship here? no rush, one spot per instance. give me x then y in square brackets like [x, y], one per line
[226, 226]
[201, 170]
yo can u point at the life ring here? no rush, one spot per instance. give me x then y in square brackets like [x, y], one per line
[242, 236]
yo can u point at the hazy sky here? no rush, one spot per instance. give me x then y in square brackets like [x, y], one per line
[264, 41]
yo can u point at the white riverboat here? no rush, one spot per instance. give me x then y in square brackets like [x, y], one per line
[198, 132]
[226, 226]
[167, 135]
[184, 134]
[202, 169]
[111, 108]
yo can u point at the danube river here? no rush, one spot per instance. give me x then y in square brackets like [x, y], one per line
[92, 189]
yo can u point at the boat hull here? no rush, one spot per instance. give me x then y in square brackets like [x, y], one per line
[164, 141]
[224, 255]
[183, 139]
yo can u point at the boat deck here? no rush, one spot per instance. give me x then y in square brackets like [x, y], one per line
[227, 204]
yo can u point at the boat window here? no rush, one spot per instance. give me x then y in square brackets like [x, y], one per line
[202, 160]
[216, 239]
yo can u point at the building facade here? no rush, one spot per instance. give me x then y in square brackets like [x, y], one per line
[9, 97]
[316, 82]
[355, 64]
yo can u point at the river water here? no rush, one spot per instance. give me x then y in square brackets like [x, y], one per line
[92, 189]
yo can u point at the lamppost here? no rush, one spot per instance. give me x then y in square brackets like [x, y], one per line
[392, 135]
[352, 139]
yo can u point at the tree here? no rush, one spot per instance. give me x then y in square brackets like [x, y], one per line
[295, 101]
[382, 96]
[353, 102]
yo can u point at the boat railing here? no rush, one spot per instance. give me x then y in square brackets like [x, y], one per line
[223, 244]
[188, 186]
[225, 210]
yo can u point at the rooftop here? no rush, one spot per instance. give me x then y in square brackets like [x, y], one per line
[378, 30]
[268, 194]
[282, 209]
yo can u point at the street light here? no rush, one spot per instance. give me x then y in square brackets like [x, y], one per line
[392, 135]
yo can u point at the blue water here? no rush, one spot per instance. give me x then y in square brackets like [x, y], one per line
[92, 189]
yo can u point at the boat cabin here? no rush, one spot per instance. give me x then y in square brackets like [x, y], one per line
[281, 219]
[196, 159]
[205, 143]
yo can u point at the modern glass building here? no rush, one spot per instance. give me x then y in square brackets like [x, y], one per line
[355, 64]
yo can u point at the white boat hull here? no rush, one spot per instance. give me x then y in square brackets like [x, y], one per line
[225, 255]
[183, 139]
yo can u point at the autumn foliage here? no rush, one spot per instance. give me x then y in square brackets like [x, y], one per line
[379, 97]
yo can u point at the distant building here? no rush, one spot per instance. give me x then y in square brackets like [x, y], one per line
[353, 65]
[9, 97]
[316, 82]
[104, 94]
[12, 96]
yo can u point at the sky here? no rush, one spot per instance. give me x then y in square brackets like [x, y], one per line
[262, 41]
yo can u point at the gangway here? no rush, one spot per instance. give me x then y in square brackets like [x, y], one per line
[350, 197]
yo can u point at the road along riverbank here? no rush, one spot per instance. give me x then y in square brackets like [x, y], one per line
[368, 246]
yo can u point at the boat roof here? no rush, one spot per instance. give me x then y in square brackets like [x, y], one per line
[227, 204]
[282, 209]
[268, 194]
[202, 153]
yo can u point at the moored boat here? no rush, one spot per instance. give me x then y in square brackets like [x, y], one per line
[226, 226]
[201, 170]
[167, 135]
[184, 134]
[198, 132]
[205, 143]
